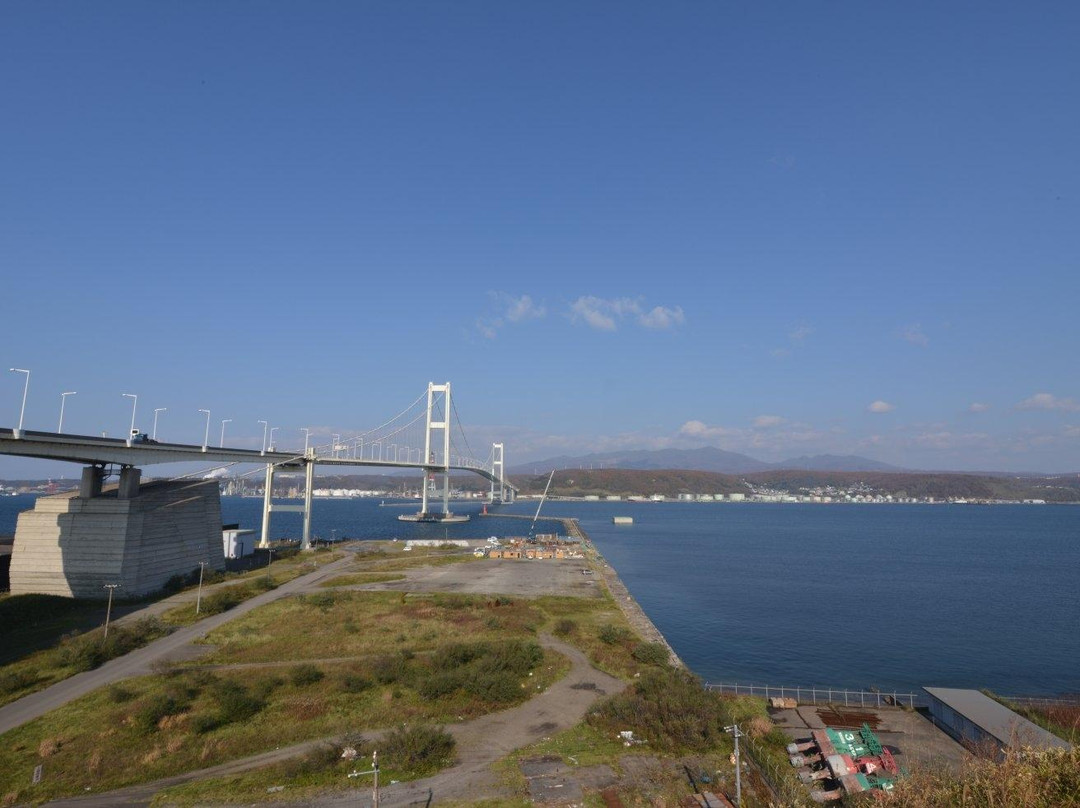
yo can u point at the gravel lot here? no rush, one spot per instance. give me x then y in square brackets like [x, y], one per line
[497, 576]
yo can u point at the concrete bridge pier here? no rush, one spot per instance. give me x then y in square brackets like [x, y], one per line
[93, 477]
[269, 507]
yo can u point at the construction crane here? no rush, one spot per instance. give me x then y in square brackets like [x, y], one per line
[532, 527]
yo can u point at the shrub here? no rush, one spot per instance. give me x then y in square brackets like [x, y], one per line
[306, 674]
[498, 687]
[565, 627]
[441, 683]
[14, 681]
[612, 634]
[234, 701]
[355, 683]
[321, 600]
[650, 653]
[668, 708]
[84, 652]
[418, 749]
[119, 695]
[390, 668]
[155, 709]
[320, 758]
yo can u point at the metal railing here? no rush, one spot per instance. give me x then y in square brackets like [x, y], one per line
[824, 695]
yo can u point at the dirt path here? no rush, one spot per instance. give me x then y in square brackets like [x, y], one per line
[480, 743]
[140, 662]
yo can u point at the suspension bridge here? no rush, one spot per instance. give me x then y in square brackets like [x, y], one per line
[427, 435]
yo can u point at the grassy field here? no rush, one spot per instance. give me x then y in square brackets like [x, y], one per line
[418, 751]
[358, 578]
[45, 639]
[432, 659]
[323, 665]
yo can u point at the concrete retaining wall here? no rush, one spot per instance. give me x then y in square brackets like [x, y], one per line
[72, 547]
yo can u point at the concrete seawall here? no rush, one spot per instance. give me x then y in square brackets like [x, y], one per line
[635, 615]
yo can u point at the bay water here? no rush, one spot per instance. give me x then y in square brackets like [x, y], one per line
[890, 596]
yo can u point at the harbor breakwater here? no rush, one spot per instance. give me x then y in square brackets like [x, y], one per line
[630, 608]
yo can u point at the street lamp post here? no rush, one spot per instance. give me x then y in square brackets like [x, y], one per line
[269, 561]
[265, 427]
[134, 403]
[272, 431]
[307, 436]
[26, 389]
[153, 436]
[206, 434]
[198, 599]
[108, 609]
[224, 421]
[63, 400]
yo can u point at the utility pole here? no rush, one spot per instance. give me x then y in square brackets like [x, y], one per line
[269, 560]
[737, 733]
[108, 609]
[198, 599]
[374, 770]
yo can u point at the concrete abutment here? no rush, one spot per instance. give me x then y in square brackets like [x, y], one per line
[138, 536]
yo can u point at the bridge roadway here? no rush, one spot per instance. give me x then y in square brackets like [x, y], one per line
[90, 450]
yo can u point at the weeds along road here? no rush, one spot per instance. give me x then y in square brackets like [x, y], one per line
[480, 743]
[140, 662]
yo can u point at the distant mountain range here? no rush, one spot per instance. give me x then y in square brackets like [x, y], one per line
[708, 458]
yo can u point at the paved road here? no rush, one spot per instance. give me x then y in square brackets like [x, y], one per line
[480, 743]
[140, 662]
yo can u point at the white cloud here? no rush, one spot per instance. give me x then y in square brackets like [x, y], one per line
[881, 406]
[977, 406]
[520, 309]
[509, 309]
[914, 334]
[699, 429]
[950, 440]
[1046, 401]
[604, 314]
[662, 317]
[768, 420]
[1072, 431]
[801, 333]
[591, 310]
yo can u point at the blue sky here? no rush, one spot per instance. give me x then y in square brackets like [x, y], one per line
[778, 228]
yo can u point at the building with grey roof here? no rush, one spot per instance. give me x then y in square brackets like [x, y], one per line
[984, 725]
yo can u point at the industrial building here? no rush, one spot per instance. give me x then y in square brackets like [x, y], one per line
[986, 726]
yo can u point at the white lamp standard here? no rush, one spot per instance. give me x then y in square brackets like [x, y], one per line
[224, 421]
[198, 598]
[63, 400]
[26, 388]
[307, 436]
[159, 409]
[265, 427]
[134, 403]
[272, 431]
[108, 610]
[206, 434]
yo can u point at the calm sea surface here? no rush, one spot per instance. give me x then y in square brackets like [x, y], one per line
[894, 596]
